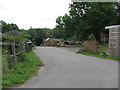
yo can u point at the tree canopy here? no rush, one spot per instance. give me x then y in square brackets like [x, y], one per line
[37, 35]
[86, 18]
[8, 27]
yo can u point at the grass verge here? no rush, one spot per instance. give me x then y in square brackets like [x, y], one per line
[22, 71]
[33, 48]
[98, 55]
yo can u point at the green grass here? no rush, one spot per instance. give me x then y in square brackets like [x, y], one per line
[98, 55]
[33, 48]
[22, 71]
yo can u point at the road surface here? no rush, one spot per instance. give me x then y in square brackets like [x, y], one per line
[66, 69]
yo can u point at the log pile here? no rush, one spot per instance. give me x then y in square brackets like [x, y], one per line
[60, 42]
[91, 45]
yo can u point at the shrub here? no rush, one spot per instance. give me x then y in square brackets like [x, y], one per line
[21, 57]
[91, 37]
[11, 61]
[102, 50]
[5, 65]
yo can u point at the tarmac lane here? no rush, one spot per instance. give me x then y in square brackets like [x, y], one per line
[66, 69]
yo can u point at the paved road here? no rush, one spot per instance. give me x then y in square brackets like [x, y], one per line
[66, 69]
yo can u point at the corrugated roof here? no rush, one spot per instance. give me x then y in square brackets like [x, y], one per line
[12, 33]
[114, 26]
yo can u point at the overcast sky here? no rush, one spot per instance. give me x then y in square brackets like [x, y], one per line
[35, 13]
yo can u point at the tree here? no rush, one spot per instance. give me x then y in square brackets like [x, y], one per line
[22, 36]
[92, 18]
[91, 37]
[37, 35]
[118, 12]
[8, 27]
[66, 25]
[48, 32]
[60, 22]
[58, 32]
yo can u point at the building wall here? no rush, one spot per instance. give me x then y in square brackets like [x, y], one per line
[114, 41]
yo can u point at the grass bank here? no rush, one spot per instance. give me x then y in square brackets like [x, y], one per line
[97, 55]
[22, 71]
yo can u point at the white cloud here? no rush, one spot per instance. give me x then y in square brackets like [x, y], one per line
[35, 13]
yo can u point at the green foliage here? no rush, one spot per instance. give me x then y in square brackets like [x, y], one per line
[5, 50]
[102, 50]
[73, 38]
[8, 27]
[66, 24]
[60, 22]
[118, 13]
[20, 37]
[37, 35]
[23, 70]
[91, 37]
[58, 33]
[23, 36]
[48, 32]
[21, 57]
[33, 48]
[10, 62]
[5, 65]
[86, 18]
[97, 55]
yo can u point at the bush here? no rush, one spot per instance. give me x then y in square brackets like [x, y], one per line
[21, 57]
[5, 65]
[102, 50]
[91, 37]
[11, 61]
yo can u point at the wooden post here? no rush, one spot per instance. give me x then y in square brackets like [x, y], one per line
[13, 48]
[14, 53]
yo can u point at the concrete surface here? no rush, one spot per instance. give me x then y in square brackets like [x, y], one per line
[66, 69]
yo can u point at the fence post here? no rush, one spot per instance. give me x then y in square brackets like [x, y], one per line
[14, 53]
